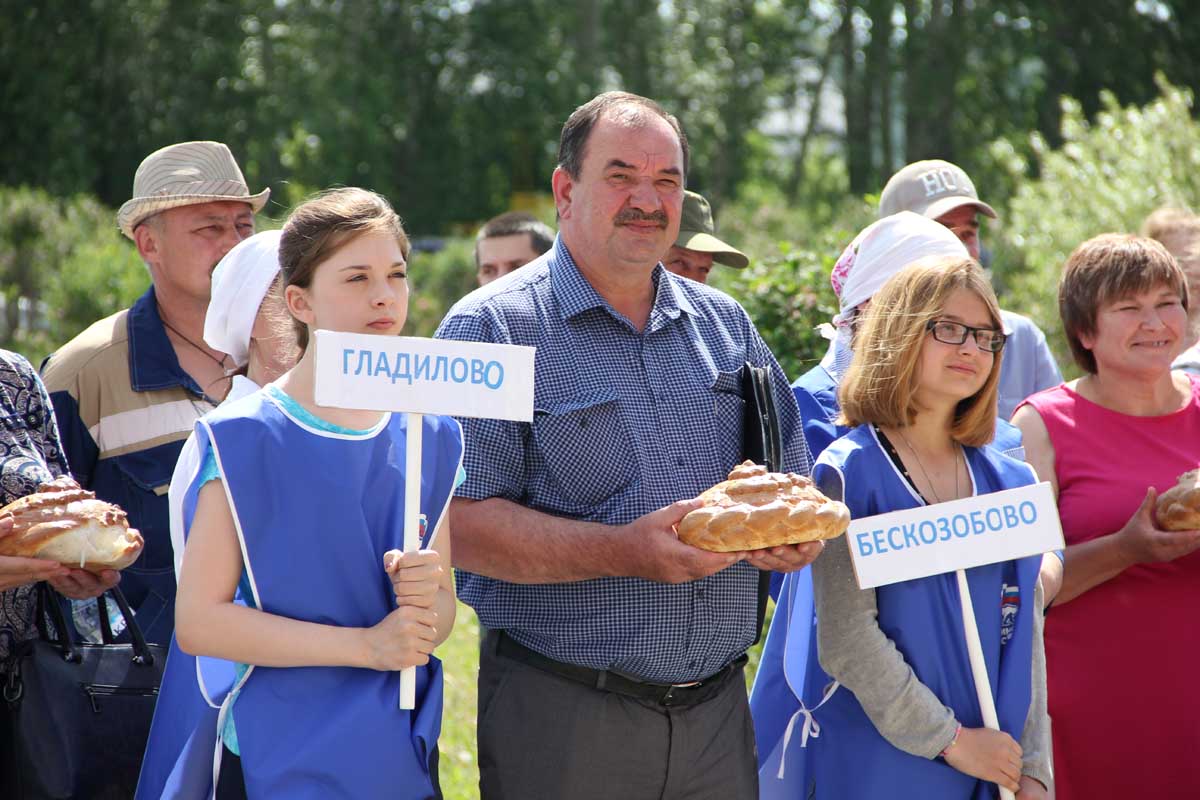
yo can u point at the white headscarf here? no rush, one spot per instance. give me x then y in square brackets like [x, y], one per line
[239, 284]
[881, 250]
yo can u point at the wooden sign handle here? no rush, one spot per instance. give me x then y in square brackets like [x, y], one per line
[983, 687]
[412, 532]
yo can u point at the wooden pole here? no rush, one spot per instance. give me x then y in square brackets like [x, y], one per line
[412, 531]
[983, 687]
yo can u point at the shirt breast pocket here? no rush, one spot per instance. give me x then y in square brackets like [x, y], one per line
[140, 488]
[729, 414]
[585, 447]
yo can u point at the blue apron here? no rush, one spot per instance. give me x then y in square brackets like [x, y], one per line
[924, 619]
[315, 512]
[788, 689]
[790, 683]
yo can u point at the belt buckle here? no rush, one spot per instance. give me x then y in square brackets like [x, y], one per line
[669, 695]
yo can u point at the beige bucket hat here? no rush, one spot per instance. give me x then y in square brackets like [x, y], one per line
[182, 175]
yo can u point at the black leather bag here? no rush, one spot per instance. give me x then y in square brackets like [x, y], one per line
[762, 438]
[762, 443]
[76, 715]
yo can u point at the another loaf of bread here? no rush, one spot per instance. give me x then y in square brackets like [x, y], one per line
[1179, 507]
[65, 523]
[754, 509]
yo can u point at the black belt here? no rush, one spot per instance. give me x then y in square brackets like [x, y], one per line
[664, 694]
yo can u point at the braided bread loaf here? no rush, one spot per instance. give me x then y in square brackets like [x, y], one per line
[65, 523]
[1178, 508]
[755, 509]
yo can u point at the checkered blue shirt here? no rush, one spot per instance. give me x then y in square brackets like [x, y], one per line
[625, 422]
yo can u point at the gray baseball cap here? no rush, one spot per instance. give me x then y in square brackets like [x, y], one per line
[931, 189]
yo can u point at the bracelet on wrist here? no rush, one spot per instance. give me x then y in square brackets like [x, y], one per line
[954, 741]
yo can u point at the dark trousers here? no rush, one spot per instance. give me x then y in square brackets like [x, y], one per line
[548, 737]
[230, 783]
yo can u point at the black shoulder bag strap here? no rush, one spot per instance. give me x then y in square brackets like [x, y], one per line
[762, 443]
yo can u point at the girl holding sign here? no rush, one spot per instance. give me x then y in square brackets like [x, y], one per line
[241, 321]
[921, 395]
[294, 592]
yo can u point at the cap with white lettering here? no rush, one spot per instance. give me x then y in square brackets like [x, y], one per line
[930, 188]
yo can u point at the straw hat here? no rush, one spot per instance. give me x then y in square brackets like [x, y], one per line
[182, 175]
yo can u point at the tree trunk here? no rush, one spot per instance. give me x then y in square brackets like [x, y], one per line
[816, 90]
[587, 41]
[880, 72]
[857, 100]
[933, 59]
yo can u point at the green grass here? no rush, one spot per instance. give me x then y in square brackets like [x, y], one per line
[460, 658]
[458, 769]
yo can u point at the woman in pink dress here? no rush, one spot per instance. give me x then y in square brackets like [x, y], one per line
[1121, 640]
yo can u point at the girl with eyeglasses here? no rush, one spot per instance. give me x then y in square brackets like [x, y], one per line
[785, 686]
[920, 395]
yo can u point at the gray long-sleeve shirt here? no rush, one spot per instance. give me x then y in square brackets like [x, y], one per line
[854, 650]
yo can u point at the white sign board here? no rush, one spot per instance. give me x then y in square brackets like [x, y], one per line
[959, 534]
[424, 376]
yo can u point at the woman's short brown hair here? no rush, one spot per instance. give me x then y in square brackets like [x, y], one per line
[322, 225]
[1107, 268]
[881, 384]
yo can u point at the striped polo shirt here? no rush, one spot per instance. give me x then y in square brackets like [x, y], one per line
[124, 408]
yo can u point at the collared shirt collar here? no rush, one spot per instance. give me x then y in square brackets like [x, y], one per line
[576, 295]
[839, 355]
[152, 360]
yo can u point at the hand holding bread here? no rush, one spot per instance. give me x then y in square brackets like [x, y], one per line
[754, 509]
[65, 523]
[1178, 508]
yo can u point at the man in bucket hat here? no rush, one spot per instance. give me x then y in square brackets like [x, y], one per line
[697, 247]
[128, 390]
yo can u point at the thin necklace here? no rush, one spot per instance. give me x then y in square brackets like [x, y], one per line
[917, 456]
[220, 362]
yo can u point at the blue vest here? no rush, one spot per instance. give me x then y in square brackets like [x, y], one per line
[788, 687]
[316, 512]
[816, 394]
[834, 745]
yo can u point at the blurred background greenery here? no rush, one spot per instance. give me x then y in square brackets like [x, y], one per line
[1073, 118]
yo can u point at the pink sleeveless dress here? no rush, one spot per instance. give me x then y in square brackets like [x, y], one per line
[1123, 658]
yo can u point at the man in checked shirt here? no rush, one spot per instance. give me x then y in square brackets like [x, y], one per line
[613, 662]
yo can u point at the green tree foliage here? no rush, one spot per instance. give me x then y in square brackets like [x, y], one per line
[1107, 175]
[448, 107]
[947, 78]
[786, 289]
[63, 265]
[436, 281]
[787, 294]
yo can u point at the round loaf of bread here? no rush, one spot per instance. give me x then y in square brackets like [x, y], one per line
[1178, 508]
[65, 523]
[755, 509]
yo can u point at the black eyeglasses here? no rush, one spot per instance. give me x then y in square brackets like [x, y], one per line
[988, 339]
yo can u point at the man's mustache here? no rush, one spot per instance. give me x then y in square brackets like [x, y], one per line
[633, 215]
